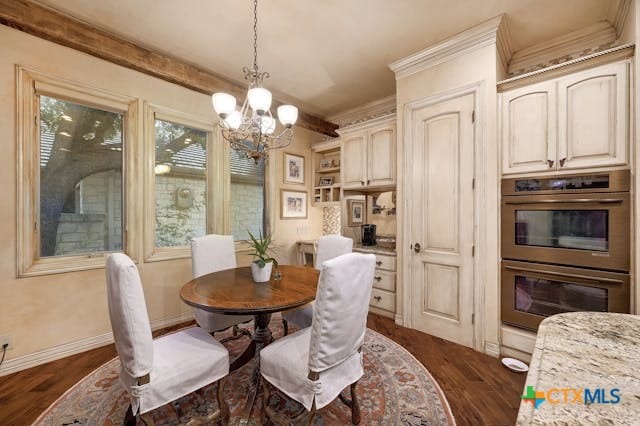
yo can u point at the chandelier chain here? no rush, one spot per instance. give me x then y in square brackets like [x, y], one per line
[255, 36]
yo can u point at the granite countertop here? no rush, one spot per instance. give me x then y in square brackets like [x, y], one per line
[584, 352]
[374, 249]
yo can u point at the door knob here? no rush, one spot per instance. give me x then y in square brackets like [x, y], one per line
[417, 247]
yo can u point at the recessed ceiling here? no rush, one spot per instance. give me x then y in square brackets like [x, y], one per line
[329, 55]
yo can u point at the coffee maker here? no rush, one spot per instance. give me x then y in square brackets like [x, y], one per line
[368, 234]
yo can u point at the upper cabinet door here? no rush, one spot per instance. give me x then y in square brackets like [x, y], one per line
[353, 160]
[529, 128]
[381, 167]
[593, 124]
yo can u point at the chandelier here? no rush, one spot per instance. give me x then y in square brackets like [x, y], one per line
[251, 130]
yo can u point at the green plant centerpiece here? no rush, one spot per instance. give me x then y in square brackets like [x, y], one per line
[264, 262]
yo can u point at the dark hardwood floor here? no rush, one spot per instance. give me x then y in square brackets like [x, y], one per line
[479, 389]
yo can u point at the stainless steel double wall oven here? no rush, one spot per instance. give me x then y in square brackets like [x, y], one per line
[565, 245]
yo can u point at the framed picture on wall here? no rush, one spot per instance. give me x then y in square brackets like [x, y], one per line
[293, 168]
[355, 212]
[293, 204]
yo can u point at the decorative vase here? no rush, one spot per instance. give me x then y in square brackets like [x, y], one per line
[261, 275]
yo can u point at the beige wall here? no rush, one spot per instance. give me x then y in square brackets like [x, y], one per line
[287, 231]
[42, 313]
[477, 67]
[628, 34]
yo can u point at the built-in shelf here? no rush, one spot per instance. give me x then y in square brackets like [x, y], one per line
[329, 170]
[326, 154]
[326, 194]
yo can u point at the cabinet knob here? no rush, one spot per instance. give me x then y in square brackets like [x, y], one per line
[377, 278]
[417, 247]
[362, 182]
[550, 163]
[377, 298]
[562, 161]
[379, 262]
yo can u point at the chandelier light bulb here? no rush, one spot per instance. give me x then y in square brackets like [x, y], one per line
[234, 120]
[259, 99]
[223, 103]
[267, 124]
[287, 114]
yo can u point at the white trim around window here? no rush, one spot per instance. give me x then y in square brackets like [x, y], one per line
[29, 86]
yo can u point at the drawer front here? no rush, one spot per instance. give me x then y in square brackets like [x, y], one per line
[384, 280]
[383, 300]
[385, 262]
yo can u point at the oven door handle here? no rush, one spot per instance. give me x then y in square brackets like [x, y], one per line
[561, 274]
[574, 201]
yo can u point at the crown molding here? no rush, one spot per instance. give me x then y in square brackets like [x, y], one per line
[65, 30]
[484, 34]
[366, 124]
[600, 57]
[365, 112]
[596, 36]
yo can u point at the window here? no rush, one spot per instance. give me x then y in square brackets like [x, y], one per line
[80, 178]
[180, 183]
[89, 183]
[71, 157]
[180, 187]
[247, 196]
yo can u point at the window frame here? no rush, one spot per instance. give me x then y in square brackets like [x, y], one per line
[215, 193]
[30, 85]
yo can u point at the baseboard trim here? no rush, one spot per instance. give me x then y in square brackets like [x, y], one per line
[492, 349]
[400, 320]
[47, 355]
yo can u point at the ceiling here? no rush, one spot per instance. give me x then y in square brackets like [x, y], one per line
[325, 56]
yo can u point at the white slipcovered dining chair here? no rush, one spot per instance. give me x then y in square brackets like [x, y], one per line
[314, 365]
[328, 247]
[213, 253]
[157, 372]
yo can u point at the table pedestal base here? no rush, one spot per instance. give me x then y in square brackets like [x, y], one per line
[262, 336]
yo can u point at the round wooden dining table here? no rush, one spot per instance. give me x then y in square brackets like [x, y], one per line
[233, 292]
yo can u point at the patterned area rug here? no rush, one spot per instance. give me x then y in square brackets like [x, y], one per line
[395, 390]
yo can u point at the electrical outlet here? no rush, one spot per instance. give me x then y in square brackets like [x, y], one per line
[5, 340]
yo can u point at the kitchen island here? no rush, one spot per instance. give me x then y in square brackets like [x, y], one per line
[585, 369]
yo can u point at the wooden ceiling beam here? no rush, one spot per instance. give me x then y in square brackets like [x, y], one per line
[62, 29]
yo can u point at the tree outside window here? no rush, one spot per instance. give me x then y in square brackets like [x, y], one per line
[81, 157]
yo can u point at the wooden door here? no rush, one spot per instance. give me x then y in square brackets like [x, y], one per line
[594, 117]
[529, 128]
[353, 160]
[381, 152]
[441, 219]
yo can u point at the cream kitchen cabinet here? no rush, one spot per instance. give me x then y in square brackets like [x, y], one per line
[580, 120]
[383, 293]
[368, 154]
